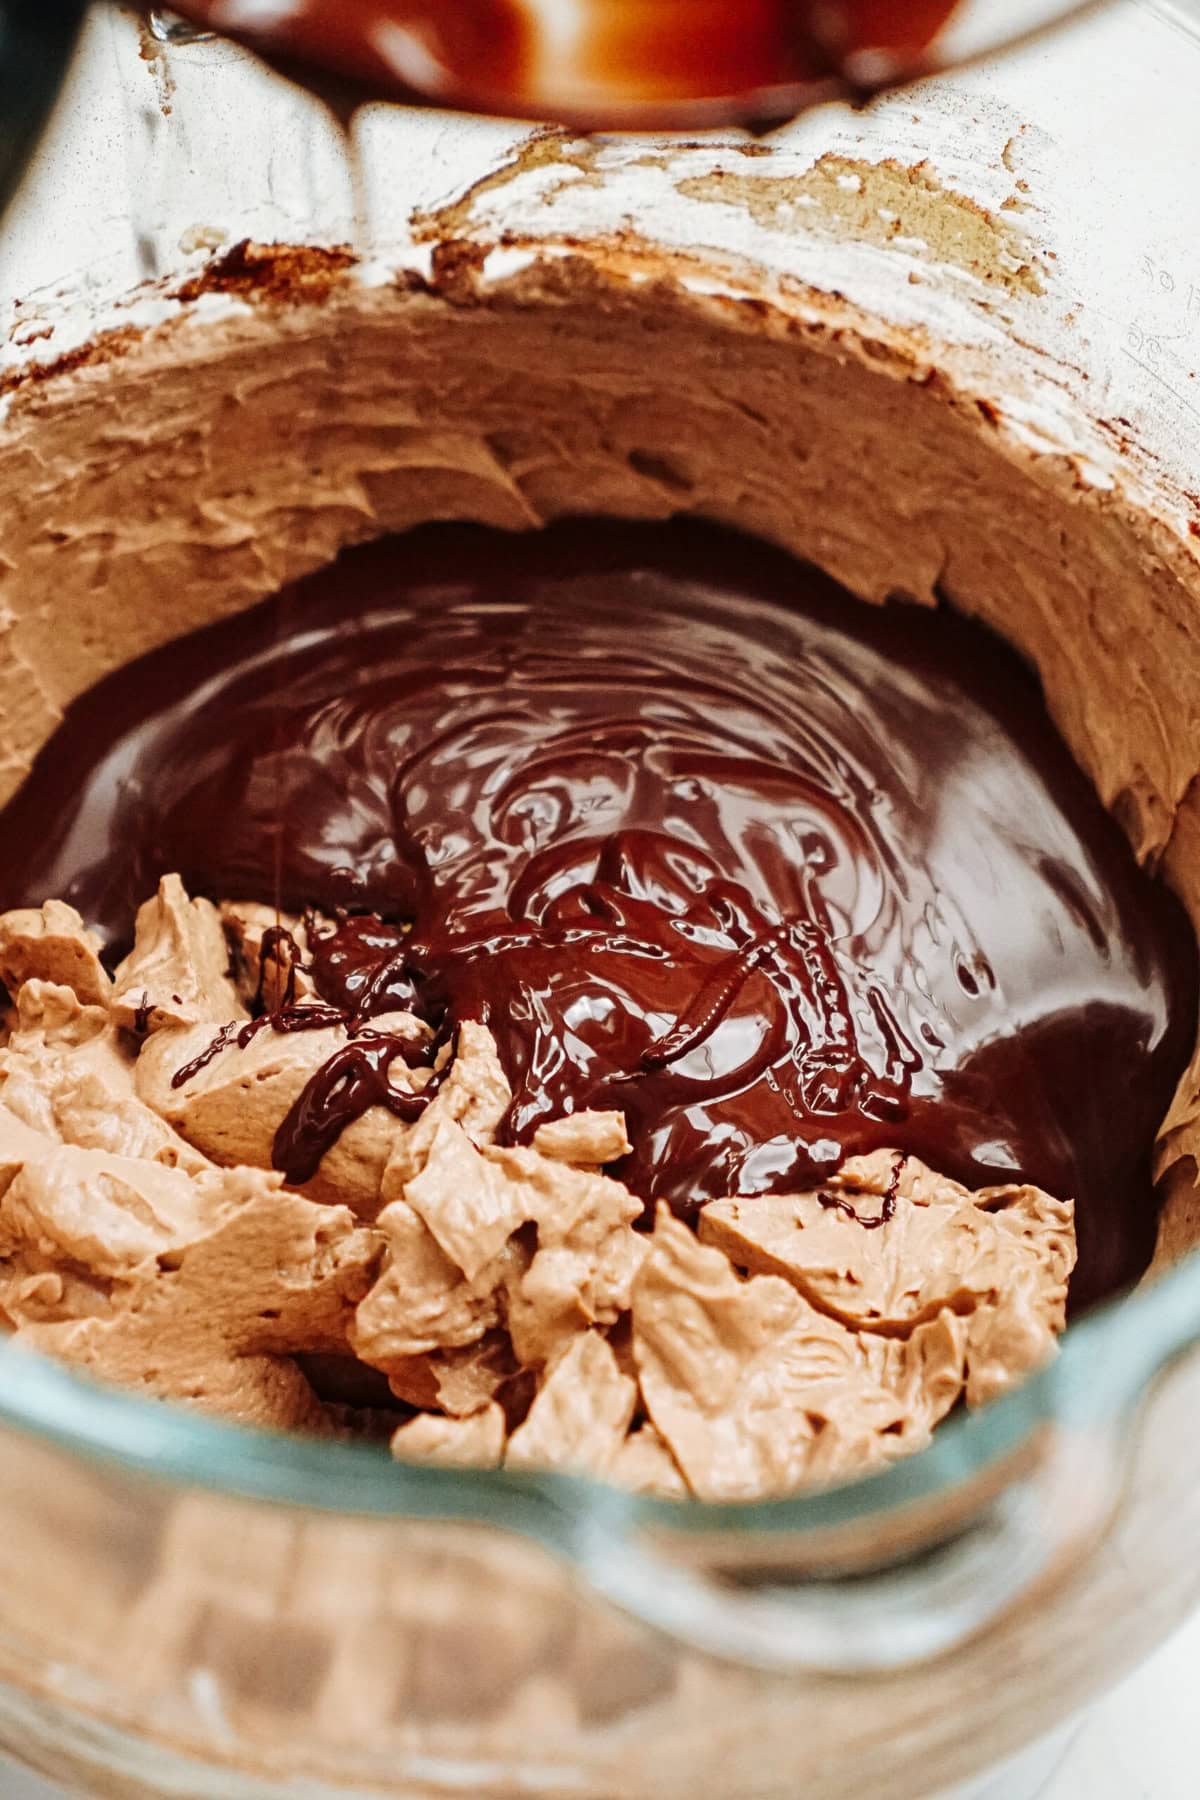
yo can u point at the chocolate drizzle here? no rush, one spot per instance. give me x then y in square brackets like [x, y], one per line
[361, 965]
[887, 1210]
[700, 839]
[242, 1032]
[279, 947]
[354, 1078]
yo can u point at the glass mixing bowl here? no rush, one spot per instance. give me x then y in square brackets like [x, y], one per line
[189, 1609]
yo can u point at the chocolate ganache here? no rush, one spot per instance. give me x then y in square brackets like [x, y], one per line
[782, 877]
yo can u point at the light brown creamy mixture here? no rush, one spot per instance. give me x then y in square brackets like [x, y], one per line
[504, 1293]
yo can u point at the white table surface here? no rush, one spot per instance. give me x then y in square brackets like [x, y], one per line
[1141, 1743]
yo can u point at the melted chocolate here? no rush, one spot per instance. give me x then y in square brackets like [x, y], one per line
[279, 947]
[351, 1081]
[782, 877]
[287, 1018]
[887, 1209]
[362, 966]
[737, 59]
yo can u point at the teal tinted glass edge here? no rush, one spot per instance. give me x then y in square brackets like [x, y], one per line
[1106, 1361]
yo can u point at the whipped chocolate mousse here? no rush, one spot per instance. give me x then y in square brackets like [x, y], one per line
[697, 1010]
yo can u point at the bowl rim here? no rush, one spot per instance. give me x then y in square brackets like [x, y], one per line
[1105, 1363]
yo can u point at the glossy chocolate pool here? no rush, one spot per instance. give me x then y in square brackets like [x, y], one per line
[700, 837]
